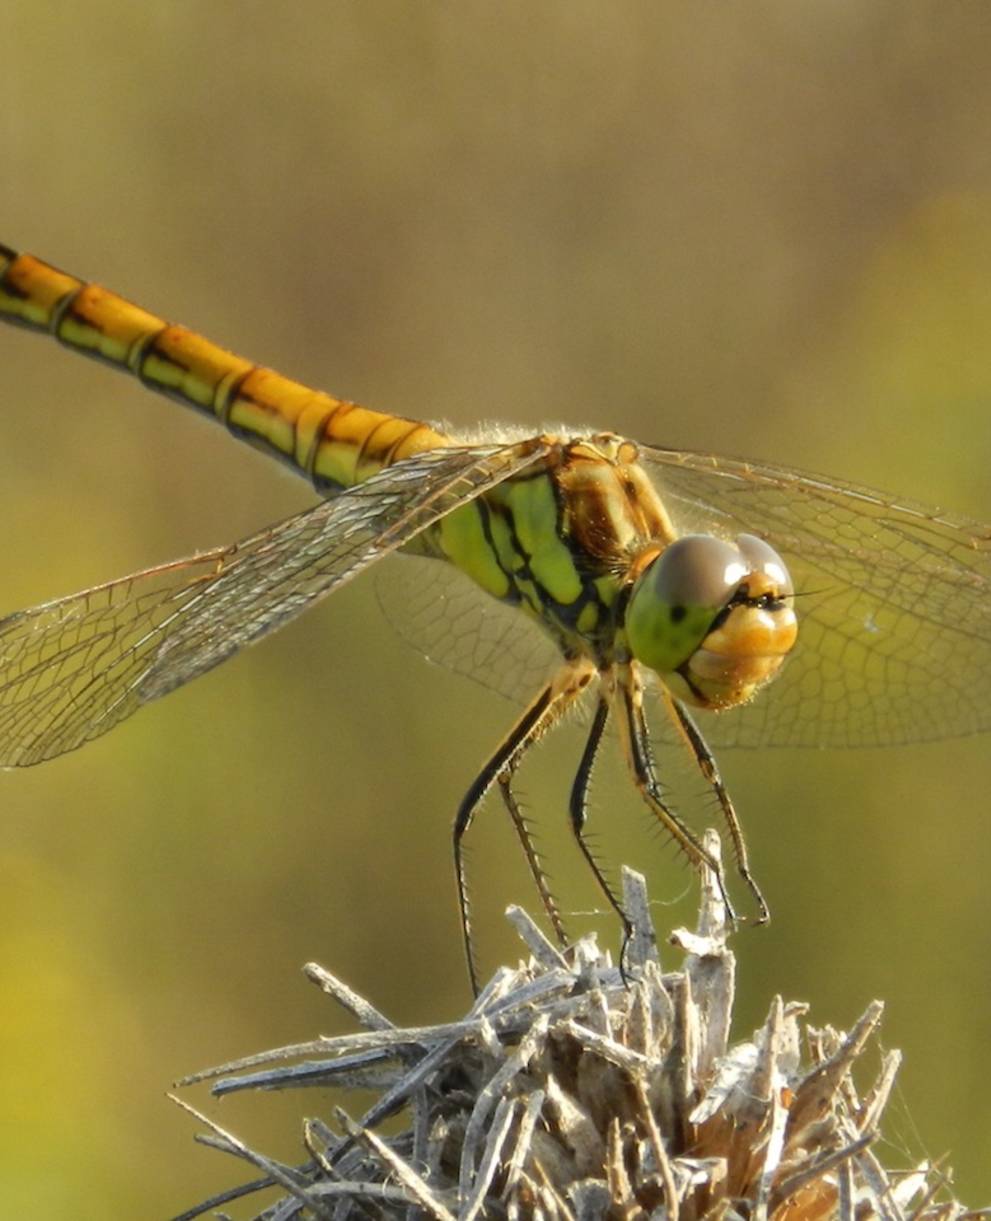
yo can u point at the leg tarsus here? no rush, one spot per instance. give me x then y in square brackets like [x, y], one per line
[636, 744]
[461, 824]
[549, 705]
[534, 863]
[706, 763]
[578, 808]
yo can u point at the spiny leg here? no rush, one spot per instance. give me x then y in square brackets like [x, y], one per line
[534, 863]
[706, 764]
[538, 717]
[636, 746]
[578, 808]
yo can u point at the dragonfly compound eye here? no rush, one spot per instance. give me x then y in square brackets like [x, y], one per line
[714, 619]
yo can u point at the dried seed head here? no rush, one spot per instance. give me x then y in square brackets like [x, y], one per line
[574, 1090]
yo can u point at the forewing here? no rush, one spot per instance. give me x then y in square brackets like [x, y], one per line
[72, 669]
[893, 599]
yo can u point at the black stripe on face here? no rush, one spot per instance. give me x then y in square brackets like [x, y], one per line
[686, 676]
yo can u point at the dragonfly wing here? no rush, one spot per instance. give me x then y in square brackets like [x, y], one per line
[893, 598]
[72, 669]
[450, 620]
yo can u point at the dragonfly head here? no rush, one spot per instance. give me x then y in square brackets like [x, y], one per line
[715, 620]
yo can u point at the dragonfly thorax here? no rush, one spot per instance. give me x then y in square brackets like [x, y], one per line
[560, 538]
[715, 620]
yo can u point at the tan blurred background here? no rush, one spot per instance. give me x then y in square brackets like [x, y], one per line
[759, 228]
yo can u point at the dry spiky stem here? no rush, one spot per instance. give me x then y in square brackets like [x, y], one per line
[575, 1090]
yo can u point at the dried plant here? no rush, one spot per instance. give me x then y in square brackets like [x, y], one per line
[575, 1090]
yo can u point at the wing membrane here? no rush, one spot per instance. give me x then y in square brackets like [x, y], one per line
[894, 603]
[72, 669]
[447, 618]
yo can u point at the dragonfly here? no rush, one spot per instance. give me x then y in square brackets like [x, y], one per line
[634, 579]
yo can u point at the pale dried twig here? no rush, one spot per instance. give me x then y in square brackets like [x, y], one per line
[574, 1090]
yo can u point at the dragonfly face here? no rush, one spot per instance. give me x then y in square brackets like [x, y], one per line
[620, 551]
[715, 620]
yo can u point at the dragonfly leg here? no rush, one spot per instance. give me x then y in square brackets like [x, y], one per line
[534, 863]
[578, 808]
[538, 717]
[636, 747]
[706, 764]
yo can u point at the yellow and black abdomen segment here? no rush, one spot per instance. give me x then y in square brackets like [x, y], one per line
[333, 442]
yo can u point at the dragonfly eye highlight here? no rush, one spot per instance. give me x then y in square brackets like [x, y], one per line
[713, 619]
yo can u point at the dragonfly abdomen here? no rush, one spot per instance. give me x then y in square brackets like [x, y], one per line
[333, 442]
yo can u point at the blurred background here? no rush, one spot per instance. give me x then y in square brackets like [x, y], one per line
[761, 229]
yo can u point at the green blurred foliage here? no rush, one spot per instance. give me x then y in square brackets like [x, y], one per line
[759, 228]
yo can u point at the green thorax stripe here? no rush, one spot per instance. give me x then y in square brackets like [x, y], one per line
[512, 542]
